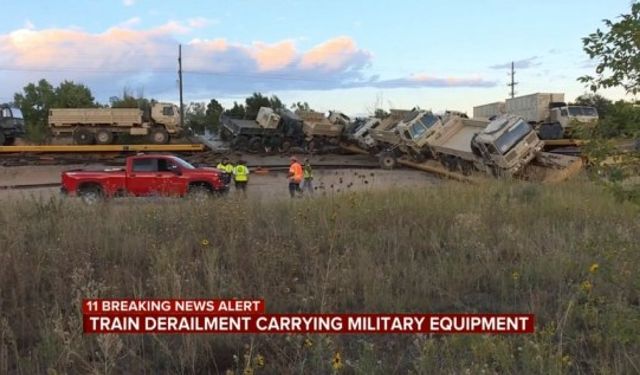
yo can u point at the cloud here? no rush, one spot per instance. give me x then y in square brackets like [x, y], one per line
[527, 63]
[200, 22]
[122, 56]
[128, 3]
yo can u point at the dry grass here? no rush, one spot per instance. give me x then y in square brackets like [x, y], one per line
[499, 247]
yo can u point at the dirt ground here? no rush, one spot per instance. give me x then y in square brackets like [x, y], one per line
[269, 186]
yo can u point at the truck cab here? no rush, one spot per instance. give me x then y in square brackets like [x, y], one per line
[567, 116]
[11, 125]
[416, 131]
[166, 114]
[507, 144]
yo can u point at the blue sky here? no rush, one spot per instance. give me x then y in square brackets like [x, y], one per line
[347, 55]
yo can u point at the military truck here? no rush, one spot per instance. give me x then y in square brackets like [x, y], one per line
[503, 148]
[386, 133]
[11, 125]
[103, 125]
[360, 133]
[320, 132]
[548, 113]
[270, 131]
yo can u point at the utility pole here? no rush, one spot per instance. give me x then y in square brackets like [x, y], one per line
[513, 83]
[180, 84]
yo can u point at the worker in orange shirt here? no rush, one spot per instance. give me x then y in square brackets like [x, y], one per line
[295, 177]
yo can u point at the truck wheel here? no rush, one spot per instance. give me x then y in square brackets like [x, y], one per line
[255, 145]
[3, 140]
[241, 143]
[10, 141]
[83, 136]
[91, 194]
[387, 160]
[104, 137]
[285, 147]
[159, 136]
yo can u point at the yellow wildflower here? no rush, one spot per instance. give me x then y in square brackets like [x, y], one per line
[586, 286]
[204, 242]
[308, 343]
[259, 361]
[594, 268]
[248, 371]
[515, 276]
[337, 361]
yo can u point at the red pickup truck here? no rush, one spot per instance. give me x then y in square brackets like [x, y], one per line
[144, 175]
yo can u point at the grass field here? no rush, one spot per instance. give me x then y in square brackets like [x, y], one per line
[568, 253]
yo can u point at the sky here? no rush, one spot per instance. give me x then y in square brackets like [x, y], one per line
[352, 56]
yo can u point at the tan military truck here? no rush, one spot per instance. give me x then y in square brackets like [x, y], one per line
[503, 148]
[319, 130]
[102, 125]
[386, 132]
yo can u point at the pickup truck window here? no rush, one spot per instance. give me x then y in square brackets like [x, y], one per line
[145, 165]
[166, 165]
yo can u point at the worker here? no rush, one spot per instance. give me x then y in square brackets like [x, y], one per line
[295, 177]
[241, 176]
[307, 175]
[226, 167]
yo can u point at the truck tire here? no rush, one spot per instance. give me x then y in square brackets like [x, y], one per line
[83, 136]
[255, 145]
[387, 160]
[10, 141]
[241, 143]
[104, 137]
[3, 139]
[91, 195]
[159, 136]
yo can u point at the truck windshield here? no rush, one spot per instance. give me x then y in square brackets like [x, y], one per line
[417, 129]
[183, 164]
[429, 120]
[583, 111]
[506, 141]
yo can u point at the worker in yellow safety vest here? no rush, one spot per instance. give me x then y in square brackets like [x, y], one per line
[307, 174]
[241, 176]
[227, 168]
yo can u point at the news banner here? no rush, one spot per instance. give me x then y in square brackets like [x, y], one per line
[182, 316]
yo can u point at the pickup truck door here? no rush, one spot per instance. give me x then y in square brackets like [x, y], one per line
[141, 180]
[169, 178]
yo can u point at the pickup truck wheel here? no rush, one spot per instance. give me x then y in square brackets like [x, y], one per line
[83, 136]
[90, 195]
[104, 137]
[387, 160]
[159, 136]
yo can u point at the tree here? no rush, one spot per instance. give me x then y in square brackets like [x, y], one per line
[72, 95]
[257, 100]
[301, 106]
[381, 114]
[195, 117]
[35, 101]
[599, 102]
[237, 111]
[212, 114]
[128, 100]
[617, 52]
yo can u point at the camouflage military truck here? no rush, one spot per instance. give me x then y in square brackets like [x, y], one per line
[320, 132]
[11, 125]
[103, 125]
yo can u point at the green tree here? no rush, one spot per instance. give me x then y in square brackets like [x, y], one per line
[212, 115]
[195, 117]
[617, 53]
[257, 100]
[237, 111]
[72, 95]
[35, 100]
[300, 106]
[381, 114]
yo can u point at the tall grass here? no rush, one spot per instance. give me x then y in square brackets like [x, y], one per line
[569, 254]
